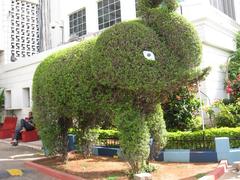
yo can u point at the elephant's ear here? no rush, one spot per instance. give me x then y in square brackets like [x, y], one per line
[145, 5]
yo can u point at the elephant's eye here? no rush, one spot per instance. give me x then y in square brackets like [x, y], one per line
[149, 55]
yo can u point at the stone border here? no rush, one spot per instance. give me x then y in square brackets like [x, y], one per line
[218, 172]
[52, 172]
[169, 155]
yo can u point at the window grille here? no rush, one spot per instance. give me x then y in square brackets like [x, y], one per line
[24, 28]
[77, 23]
[109, 13]
[226, 6]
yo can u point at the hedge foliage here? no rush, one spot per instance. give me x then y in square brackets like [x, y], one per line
[212, 132]
[189, 139]
[109, 78]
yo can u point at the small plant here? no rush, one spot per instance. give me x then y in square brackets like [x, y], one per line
[87, 140]
[148, 168]
[181, 112]
[200, 175]
[227, 114]
[112, 177]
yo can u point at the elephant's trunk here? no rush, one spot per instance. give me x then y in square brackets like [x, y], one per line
[145, 5]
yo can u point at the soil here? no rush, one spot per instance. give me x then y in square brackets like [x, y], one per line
[98, 168]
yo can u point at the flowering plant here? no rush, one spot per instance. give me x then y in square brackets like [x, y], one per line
[233, 87]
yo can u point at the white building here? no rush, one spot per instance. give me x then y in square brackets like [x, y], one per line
[217, 21]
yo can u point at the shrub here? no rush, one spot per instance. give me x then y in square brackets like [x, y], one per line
[181, 111]
[58, 95]
[238, 40]
[103, 134]
[233, 83]
[158, 131]
[227, 115]
[109, 78]
[193, 139]
[87, 140]
[134, 137]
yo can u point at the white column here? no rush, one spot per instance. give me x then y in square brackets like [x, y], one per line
[237, 10]
[5, 27]
[92, 16]
[128, 10]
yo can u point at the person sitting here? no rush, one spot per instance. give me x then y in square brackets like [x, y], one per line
[26, 124]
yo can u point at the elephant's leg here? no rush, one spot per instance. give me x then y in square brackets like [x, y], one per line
[134, 137]
[157, 127]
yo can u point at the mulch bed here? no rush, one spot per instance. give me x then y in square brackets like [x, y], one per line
[98, 167]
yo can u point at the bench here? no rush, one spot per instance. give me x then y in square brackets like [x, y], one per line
[28, 136]
[8, 127]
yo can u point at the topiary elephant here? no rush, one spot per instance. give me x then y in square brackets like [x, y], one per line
[123, 74]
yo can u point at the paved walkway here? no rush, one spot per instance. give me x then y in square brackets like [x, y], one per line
[34, 144]
[12, 163]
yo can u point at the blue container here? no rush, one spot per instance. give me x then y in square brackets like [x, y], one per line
[71, 142]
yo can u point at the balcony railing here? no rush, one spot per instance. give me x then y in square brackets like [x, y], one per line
[226, 6]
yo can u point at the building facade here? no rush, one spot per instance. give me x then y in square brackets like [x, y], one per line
[55, 24]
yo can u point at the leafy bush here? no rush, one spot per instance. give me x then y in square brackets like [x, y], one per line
[109, 78]
[227, 115]
[158, 131]
[87, 140]
[58, 96]
[228, 110]
[238, 40]
[233, 83]
[103, 134]
[49, 136]
[194, 139]
[181, 111]
[134, 137]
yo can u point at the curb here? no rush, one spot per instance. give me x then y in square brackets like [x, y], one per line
[218, 172]
[52, 172]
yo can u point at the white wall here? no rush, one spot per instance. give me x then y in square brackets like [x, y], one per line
[19, 75]
[237, 10]
[217, 32]
[213, 87]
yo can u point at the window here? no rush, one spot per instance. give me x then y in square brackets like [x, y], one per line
[26, 97]
[77, 23]
[109, 13]
[8, 99]
[24, 28]
[226, 6]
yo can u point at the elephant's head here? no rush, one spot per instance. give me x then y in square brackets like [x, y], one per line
[153, 54]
